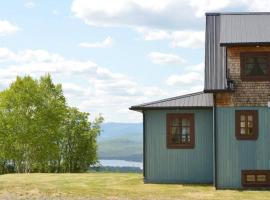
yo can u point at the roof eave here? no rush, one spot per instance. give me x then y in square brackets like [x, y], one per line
[228, 44]
[140, 109]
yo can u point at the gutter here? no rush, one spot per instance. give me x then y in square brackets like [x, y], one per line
[144, 148]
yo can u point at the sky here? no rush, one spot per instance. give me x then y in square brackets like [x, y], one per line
[110, 54]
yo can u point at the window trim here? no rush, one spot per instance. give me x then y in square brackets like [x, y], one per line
[171, 145]
[238, 114]
[243, 56]
[256, 183]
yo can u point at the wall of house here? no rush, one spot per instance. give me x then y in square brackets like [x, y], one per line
[236, 155]
[178, 165]
[247, 93]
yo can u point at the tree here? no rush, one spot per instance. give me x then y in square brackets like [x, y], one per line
[33, 129]
[79, 145]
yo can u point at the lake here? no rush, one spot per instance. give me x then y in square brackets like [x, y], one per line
[120, 163]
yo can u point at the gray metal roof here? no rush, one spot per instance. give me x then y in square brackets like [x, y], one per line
[199, 99]
[224, 29]
[242, 29]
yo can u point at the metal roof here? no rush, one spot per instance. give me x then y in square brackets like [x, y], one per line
[198, 100]
[225, 29]
[245, 29]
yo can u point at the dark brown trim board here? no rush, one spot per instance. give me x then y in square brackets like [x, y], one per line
[256, 178]
[243, 62]
[244, 127]
[181, 144]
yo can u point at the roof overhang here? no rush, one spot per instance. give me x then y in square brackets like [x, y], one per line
[199, 100]
[230, 44]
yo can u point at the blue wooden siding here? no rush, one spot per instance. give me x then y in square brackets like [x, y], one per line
[235, 155]
[178, 165]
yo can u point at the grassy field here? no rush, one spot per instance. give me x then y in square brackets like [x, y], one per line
[109, 186]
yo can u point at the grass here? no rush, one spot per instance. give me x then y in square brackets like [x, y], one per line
[110, 186]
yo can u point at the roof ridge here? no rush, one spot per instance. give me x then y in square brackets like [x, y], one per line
[171, 98]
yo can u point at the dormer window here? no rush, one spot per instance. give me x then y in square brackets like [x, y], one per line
[255, 66]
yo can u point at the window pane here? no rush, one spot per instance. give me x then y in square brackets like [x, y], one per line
[185, 134]
[261, 178]
[185, 122]
[243, 124]
[250, 178]
[250, 118]
[250, 124]
[243, 118]
[256, 66]
[250, 131]
[176, 122]
[176, 135]
[243, 131]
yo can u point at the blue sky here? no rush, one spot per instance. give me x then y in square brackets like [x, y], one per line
[110, 55]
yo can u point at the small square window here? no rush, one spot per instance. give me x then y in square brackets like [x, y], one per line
[246, 124]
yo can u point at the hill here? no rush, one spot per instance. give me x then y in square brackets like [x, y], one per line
[121, 141]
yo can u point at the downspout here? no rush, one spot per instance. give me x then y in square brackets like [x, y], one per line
[144, 147]
[215, 153]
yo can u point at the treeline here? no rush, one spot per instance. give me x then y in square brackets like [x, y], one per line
[40, 133]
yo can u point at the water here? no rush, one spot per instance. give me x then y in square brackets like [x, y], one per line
[120, 163]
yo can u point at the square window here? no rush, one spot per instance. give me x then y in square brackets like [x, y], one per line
[261, 178]
[180, 131]
[250, 178]
[255, 66]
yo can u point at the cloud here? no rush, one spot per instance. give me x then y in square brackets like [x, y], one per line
[188, 39]
[165, 58]
[86, 85]
[136, 13]
[185, 38]
[29, 4]
[153, 34]
[56, 12]
[187, 78]
[106, 43]
[7, 28]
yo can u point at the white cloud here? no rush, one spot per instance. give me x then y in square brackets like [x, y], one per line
[55, 12]
[153, 34]
[106, 43]
[135, 13]
[86, 85]
[197, 68]
[160, 14]
[165, 58]
[202, 6]
[7, 28]
[29, 4]
[185, 38]
[187, 78]
[188, 39]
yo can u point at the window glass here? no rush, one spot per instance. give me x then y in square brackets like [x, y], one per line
[181, 130]
[255, 65]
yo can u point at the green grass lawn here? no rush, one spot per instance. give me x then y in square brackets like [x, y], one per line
[109, 186]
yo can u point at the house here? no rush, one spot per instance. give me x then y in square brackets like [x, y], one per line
[221, 135]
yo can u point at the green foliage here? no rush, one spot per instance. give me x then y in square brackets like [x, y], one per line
[40, 133]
